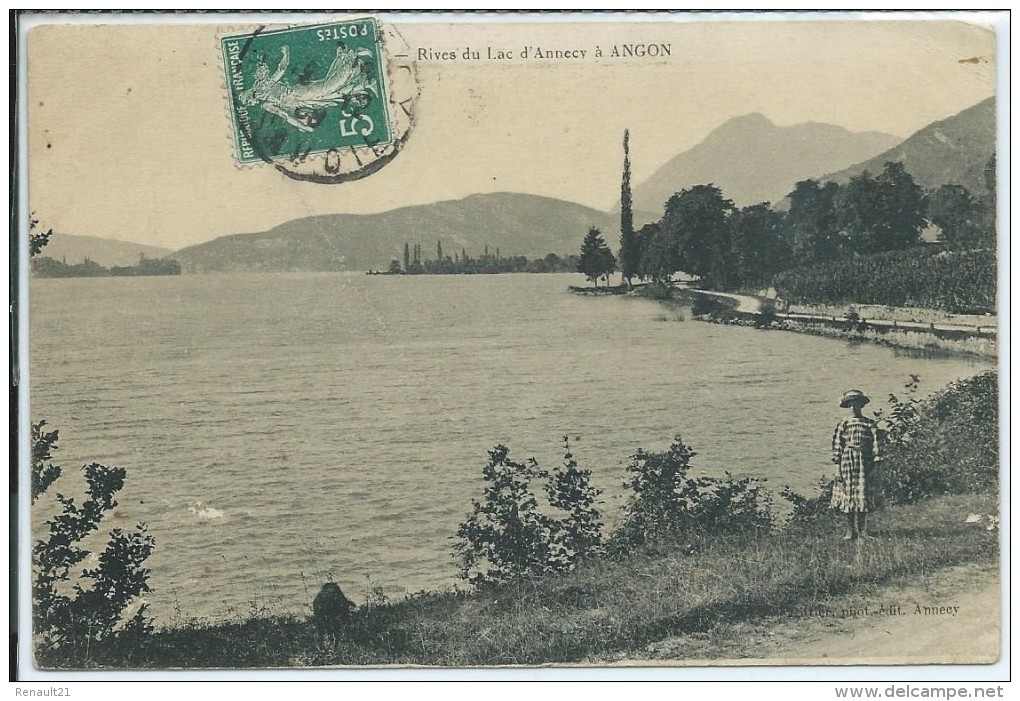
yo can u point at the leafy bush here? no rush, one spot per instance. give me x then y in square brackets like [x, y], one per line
[810, 509]
[947, 444]
[668, 503]
[508, 535]
[569, 489]
[76, 608]
[854, 323]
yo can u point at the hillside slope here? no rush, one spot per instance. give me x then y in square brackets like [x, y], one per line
[517, 224]
[954, 150]
[106, 252]
[753, 160]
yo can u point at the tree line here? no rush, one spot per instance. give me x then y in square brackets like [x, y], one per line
[461, 263]
[702, 233]
[50, 267]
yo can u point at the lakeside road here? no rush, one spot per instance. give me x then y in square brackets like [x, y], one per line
[748, 304]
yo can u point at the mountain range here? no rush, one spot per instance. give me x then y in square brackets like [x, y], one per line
[954, 150]
[752, 160]
[749, 158]
[517, 224]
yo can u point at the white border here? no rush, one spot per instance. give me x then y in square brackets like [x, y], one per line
[880, 675]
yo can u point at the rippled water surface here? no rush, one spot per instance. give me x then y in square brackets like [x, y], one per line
[281, 429]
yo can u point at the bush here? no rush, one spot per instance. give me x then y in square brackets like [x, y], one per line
[810, 509]
[569, 489]
[508, 536]
[854, 323]
[505, 536]
[947, 444]
[667, 503]
[75, 608]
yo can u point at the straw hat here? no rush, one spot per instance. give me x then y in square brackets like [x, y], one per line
[854, 396]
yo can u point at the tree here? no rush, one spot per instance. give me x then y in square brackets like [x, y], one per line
[596, 259]
[407, 257]
[811, 227]
[695, 223]
[38, 240]
[759, 249]
[630, 248]
[95, 606]
[394, 267]
[658, 254]
[960, 216]
[902, 202]
[883, 213]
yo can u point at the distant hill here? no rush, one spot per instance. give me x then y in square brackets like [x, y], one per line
[72, 249]
[954, 150]
[752, 160]
[517, 224]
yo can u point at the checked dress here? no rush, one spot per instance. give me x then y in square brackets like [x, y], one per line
[855, 450]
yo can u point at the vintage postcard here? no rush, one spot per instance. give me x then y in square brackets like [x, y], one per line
[453, 341]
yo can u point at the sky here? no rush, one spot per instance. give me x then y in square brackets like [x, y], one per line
[129, 134]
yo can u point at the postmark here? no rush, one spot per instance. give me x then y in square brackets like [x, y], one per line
[326, 103]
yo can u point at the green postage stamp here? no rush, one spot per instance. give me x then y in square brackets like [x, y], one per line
[313, 100]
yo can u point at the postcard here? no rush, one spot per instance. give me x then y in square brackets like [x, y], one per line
[377, 340]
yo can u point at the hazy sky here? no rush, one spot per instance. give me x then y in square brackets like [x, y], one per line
[129, 133]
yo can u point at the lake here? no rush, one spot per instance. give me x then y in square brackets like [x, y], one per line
[280, 430]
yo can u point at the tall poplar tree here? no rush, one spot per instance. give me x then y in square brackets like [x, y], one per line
[630, 248]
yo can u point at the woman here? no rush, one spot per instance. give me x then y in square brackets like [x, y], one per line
[855, 450]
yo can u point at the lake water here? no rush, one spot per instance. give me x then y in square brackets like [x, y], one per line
[279, 430]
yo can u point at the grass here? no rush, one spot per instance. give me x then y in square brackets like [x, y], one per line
[604, 609]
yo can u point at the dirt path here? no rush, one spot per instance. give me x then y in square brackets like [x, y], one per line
[955, 619]
[954, 616]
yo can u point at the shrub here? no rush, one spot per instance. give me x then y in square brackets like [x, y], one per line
[569, 489]
[854, 323]
[74, 608]
[506, 536]
[667, 503]
[947, 444]
[766, 317]
[509, 536]
[809, 509]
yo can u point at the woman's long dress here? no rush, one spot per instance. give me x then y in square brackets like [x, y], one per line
[854, 449]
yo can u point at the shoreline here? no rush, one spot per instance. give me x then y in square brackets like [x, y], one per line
[978, 341]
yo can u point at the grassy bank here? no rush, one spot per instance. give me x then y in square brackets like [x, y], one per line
[941, 469]
[701, 587]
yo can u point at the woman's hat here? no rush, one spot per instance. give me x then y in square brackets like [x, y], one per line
[854, 396]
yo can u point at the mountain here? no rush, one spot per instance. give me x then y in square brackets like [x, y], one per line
[517, 224]
[106, 252]
[954, 150]
[752, 160]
